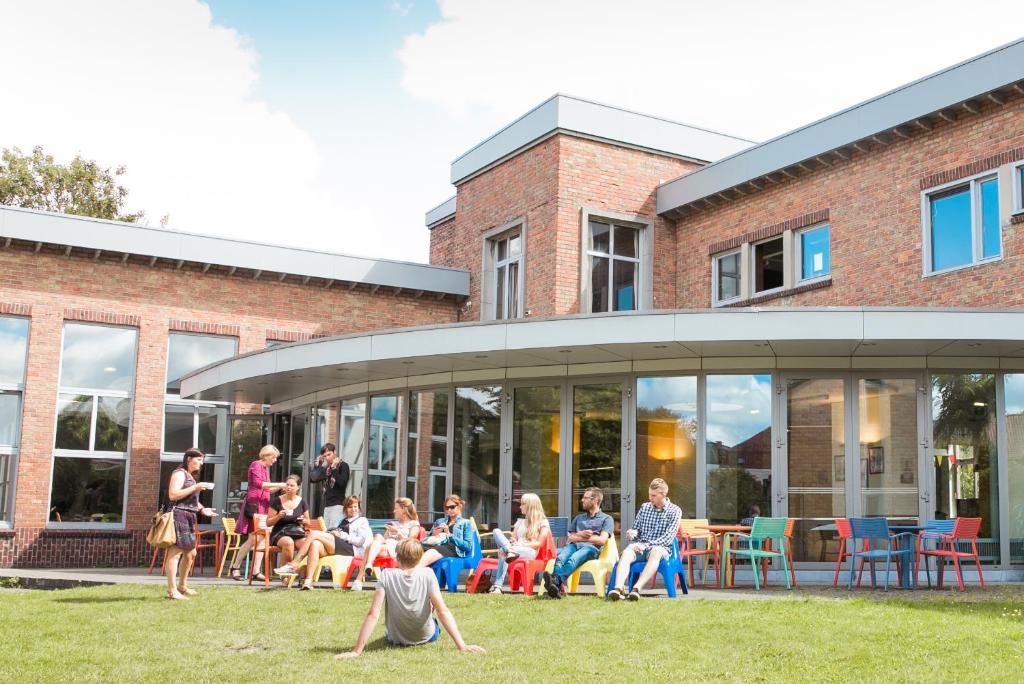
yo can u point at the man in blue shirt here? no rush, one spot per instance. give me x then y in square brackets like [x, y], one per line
[655, 527]
[588, 532]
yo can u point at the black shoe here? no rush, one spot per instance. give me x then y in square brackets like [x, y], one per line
[551, 586]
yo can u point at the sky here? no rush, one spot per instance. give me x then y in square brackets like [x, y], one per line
[331, 125]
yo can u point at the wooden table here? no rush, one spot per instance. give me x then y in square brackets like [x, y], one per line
[720, 531]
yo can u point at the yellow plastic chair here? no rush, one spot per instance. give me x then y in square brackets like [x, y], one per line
[232, 543]
[600, 568]
[692, 530]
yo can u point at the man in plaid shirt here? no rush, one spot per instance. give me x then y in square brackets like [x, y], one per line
[651, 537]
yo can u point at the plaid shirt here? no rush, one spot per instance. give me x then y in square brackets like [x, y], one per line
[657, 528]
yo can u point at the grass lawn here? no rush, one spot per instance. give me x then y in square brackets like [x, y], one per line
[128, 633]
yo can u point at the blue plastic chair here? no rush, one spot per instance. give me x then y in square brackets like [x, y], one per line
[447, 570]
[932, 527]
[874, 530]
[669, 568]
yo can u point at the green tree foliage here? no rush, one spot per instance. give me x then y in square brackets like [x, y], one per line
[82, 187]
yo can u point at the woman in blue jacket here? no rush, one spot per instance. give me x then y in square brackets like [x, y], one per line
[450, 537]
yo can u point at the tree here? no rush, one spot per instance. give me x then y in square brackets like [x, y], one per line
[82, 187]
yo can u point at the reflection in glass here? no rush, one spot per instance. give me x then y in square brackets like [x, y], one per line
[477, 451]
[178, 424]
[426, 458]
[1014, 386]
[213, 430]
[624, 287]
[536, 446]
[888, 447]
[87, 490]
[380, 496]
[7, 473]
[816, 463]
[666, 437]
[739, 453]
[814, 251]
[990, 246]
[729, 277]
[13, 345]
[964, 451]
[297, 447]
[325, 430]
[600, 237]
[74, 422]
[597, 445]
[353, 433]
[951, 228]
[383, 451]
[112, 418]
[598, 284]
[627, 241]
[186, 353]
[98, 357]
[10, 414]
[248, 435]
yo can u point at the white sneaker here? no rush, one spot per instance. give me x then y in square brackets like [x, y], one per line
[357, 586]
[285, 571]
[495, 590]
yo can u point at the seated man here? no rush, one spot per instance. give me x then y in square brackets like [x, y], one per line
[588, 532]
[409, 595]
[656, 525]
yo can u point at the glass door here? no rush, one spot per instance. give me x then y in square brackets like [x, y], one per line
[602, 451]
[248, 435]
[536, 448]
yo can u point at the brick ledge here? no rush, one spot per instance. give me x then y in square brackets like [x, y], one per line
[799, 289]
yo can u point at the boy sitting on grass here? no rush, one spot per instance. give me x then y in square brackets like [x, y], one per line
[409, 594]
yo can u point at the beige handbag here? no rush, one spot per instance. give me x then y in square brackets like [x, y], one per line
[161, 531]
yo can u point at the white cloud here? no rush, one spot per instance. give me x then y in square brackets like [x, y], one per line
[745, 67]
[158, 87]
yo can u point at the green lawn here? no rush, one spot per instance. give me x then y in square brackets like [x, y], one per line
[128, 633]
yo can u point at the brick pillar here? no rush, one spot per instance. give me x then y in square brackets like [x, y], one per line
[147, 422]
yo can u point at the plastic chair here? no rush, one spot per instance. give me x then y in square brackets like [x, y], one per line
[690, 532]
[789, 553]
[262, 532]
[937, 530]
[232, 543]
[522, 573]
[447, 570]
[669, 568]
[963, 529]
[873, 530]
[846, 535]
[200, 547]
[600, 568]
[762, 532]
[380, 561]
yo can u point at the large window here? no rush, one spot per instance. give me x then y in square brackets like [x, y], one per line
[382, 456]
[1014, 412]
[666, 438]
[13, 347]
[813, 253]
[427, 455]
[769, 269]
[507, 274]
[963, 225]
[1018, 185]
[477, 451]
[94, 408]
[613, 255]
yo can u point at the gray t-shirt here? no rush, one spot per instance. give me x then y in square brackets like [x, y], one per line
[407, 605]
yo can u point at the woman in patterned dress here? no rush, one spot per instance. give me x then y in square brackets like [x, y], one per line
[257, 501]
[183, 494]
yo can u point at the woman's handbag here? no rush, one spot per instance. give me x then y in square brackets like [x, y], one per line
[250, 509]
[161, 531]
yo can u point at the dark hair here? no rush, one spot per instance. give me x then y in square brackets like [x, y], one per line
[328, 447]
[189, 455]
[293, 476]
[349, 500]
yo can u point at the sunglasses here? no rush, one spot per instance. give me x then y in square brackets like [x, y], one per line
[451, 507]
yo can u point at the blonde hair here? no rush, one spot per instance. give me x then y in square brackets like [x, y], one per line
[659, 485]
[409, 552]
[533, 512]
[269, 449]
[408, 506]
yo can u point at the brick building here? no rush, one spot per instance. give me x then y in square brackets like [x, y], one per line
[824, 324]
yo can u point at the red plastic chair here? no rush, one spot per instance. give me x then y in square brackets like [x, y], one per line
[845, 534]
[522, 574]
[965, 529]
[380, 561]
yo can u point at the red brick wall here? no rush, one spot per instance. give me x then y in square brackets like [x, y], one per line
[874, 206]
[154, 300]
[549, 184]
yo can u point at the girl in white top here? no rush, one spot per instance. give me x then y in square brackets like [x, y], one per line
[527, 536]
[405, 526]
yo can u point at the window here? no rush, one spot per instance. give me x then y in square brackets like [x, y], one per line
[613, 251]
[508, 255]
[94, 408]
[814, 253]
[727, 277]
[1018, 185]
[962, 225]
[188, 424]
[769, 265]
[13, 348]
[427, 452]
[382, 456]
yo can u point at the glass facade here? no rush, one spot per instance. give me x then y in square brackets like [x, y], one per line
[666, 438]
[536, 446]
[427, 453]
[13, 351]
[597, 445]
[382, 464]
[476, 456]
[888, 429]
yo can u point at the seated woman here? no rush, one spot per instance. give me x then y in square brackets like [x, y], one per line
[450, 537]
[405, 526]
[286, 514]
[347, 539]
[527, 534]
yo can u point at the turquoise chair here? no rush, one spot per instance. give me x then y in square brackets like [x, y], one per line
[762, 530]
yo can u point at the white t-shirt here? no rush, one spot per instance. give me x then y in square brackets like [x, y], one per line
[407, 605]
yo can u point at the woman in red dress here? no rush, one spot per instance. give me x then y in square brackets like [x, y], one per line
[257, 501]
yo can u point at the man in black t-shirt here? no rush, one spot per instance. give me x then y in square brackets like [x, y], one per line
[332, 474]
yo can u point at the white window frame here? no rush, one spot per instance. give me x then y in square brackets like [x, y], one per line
[974, 186]
[644, 297]
[753, 267]
[715, 294]
[798, 254]
[1017, 173]
[490, 265]
[11, 451]
[96, 394]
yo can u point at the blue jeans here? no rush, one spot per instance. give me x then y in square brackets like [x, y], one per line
[572, 556]
[524, 552]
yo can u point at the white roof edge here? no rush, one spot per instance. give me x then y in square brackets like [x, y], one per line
[128, 238]
[442, 212]
[617, 125]
[983, 73]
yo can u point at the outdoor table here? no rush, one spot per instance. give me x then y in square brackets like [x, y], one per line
[721, 531]
[906, 567]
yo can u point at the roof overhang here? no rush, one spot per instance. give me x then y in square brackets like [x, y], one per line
[441, 213]
[618, 343]
[99, 238]
[913, 109]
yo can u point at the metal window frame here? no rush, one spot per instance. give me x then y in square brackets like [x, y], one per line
[716, 299]
[1017, 173]
[644, 297]
[179, 333]
[781, 237]
[973, 184]
[489, 306]
[798, 254]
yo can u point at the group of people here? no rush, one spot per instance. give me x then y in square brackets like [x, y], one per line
[410, 592]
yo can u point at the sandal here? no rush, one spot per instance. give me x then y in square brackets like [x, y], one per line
[259, 577]
[176, 596]
[187, 591]
[236, 575]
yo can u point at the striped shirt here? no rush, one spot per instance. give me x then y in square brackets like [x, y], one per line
[656, 527]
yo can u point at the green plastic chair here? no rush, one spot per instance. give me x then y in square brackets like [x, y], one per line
[761, 530]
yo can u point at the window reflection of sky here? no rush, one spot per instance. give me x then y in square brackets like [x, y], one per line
[187, 353]
[739, 407]
[1014, 393]
[98, 357]
[13, 341]
[677, 394]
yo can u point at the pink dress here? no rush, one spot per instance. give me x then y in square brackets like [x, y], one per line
[258, 474]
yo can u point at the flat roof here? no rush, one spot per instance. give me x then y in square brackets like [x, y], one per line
[998, 68]
[568, 114]
[255, 258]
[442, 212]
